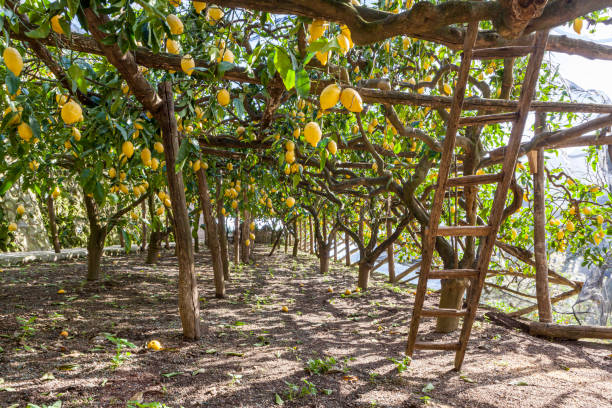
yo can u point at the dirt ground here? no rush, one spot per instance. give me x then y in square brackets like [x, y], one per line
[328, 350]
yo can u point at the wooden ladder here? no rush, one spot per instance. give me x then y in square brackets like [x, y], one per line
[487, 233]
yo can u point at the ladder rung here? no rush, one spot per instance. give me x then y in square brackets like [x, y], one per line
[488, 119]
[426, 345]
[464, 230]
[474, 180]
[502, 52]
[453, 274]
[439, 312]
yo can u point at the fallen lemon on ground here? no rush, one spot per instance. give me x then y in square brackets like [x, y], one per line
[285, 309]
[154, 345]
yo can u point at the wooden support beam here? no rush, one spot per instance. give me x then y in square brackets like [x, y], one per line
[573, 332]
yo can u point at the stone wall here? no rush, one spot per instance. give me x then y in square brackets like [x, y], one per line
[31, 234]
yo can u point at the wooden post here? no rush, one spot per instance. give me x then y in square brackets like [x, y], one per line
[539, 219]
[143, 240]
[347, 252]
[53, 224]
[236, 254]
[390, 252]
[335, 246]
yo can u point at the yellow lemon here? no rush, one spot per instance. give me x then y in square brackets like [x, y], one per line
[159, 211]
[172, 47]
[145, 156]
[154, 345]
[56, 192]
[226, 56]
[247, 242]
[447, 89]
[13, 60]
[329, 96]
[25, 131]
[55, 24]
[214, 14]
[252, 226]
[290, 201]
[175, 23]
[586, 210]
[312, 133]
[187, 64]
[600, 219]
[316, 30]
[223, 97]
[154, 164]
[351, 100]
[12, 227]
[578, 23]
[570, 226]
[289, 146]
[290, 156]
[20, 209]
[159, 147]
[344, 43]
[332, 147]
[76, 133]
[322, 57]
[199, 6]
[127, 148]
[71, 112]
[197, 165]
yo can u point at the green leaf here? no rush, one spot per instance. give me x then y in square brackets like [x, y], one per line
[182, 156]
[172, 374]
[12, 82]
[127, 241]
[11, 176]
[284, 66]
[427, 388]
[41, 32]
[302, 83]
[278, 400]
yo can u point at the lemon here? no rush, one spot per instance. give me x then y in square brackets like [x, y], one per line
[560, 234]
[125, 89]
[67, 144]
[343, 41]
[154, 345]
[290, 201]
[56, 192]
[586, 210]
[122, 176]
[199, 6]
[513, 233]
[317, 29]
[347, 33]
[230, 166]
[175, 23]
[12, 227]
[290, 156]
[55, 24]
[600, 219]
[247, 242]
[145, 156]
[127, 148]
[214, 14]
[64, 333]
[76, 133]
[330, 289]
[175, 3]
[71, 112]
[329, 96]
[187, 64]
[159, 211]
[578, 23]
[252, 226]
[312, 133]
[167, 202]
[289, 146]
[123, 188]
[322, 57]
[197, 165]
[159, 147]
[447, 89]
[332, 147]
[20, 209]
[347, 292]
[172, 47]
[223, 97]
[13, 60]
[154, 164]
[570, 226]
[226, 56]
[351, 100]
[25, 131]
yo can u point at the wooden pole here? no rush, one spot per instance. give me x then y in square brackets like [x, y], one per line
[539, 220]
[347, 254]
[310, 235]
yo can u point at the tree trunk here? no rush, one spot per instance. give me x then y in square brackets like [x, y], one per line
[451, 297]
[53, 225]
[335, 246]
[364, 274]
[539, 230]
[143, 239]
[189, 303]
[211, 229]
[121, 239]
[347, 249]
[154, 247]
[286, 240]
[236, 242]
[297, 241]
[222, 233]
[324, 258]
[194, 233]
[276, 242]
[95, 250]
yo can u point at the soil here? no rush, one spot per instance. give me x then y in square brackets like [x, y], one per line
[252, 354]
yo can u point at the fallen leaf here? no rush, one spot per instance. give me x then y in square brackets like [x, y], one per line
[278, 400]
[67, 367]
[519, 383]
[466, 379]
[234, 354]
[427, 388]
[138, 397]
[198, 371]
[47, 377]
[211, 351]
[350, 378]
[172, 374]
